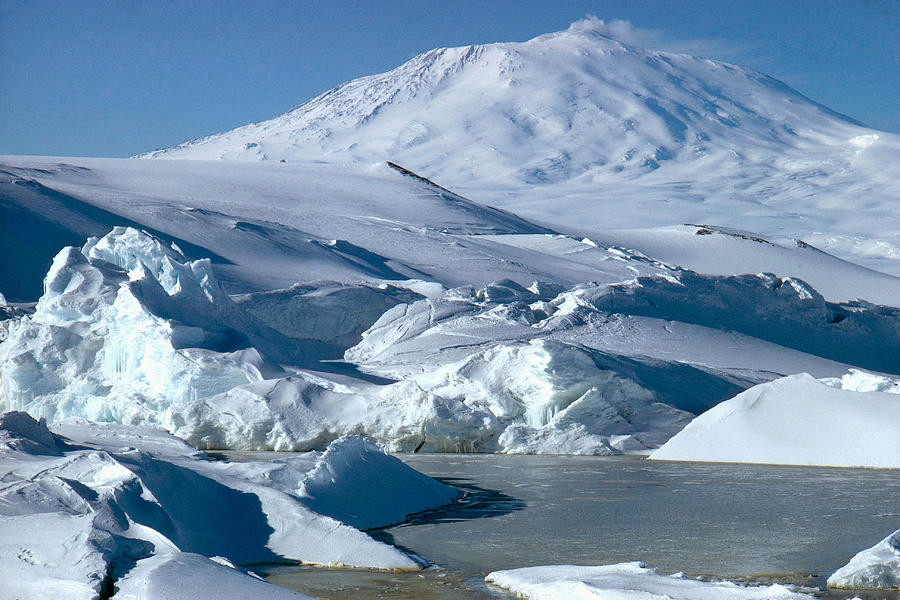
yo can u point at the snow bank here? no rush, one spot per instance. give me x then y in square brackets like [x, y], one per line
[78, 513]
[628, 581]
[875, 568]
[796, 420]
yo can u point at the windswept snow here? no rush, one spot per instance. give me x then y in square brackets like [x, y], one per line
[628, 581]
[114, 507]
[876, 568]
[796, 420]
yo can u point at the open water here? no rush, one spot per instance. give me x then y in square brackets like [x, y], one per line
[757, 523]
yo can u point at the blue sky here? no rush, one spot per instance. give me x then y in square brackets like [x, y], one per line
[96, 78]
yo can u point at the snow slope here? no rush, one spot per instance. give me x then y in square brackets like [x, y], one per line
[798, 420]
[269, 226]
[104, 509]
[579, 129]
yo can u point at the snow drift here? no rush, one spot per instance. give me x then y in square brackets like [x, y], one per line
[104, 508]
[796, 420]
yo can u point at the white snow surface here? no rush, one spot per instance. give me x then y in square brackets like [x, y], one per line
[580, 129]
[876, 568]
[187, 576]
[628, 581]
[797, 420]
[268, 305]
[81, 510]
[131, 331]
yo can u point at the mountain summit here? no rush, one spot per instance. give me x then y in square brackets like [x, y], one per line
[557, 107]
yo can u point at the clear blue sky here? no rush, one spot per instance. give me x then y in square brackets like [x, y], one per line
[93, 78]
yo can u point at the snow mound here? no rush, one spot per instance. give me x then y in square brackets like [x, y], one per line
[876, 568]
[353, 468]
[126, 329]
[795, 420]
[628, 581]
[78, 521]
[187, 576]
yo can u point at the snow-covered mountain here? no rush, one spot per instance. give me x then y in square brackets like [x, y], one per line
[560, 106]
[588, 131]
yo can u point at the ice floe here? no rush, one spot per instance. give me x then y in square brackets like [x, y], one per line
[629, 581]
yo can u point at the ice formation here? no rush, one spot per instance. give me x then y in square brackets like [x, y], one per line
[130, 331]
[627, 581]
[104, 507]
[797, 420]
[876, 568]
[126, 330]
